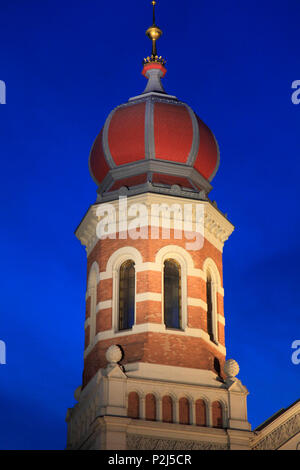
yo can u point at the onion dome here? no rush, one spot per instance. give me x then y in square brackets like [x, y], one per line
[154, 141]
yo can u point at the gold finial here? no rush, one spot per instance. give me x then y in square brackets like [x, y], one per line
[153, 3]
[154, 33]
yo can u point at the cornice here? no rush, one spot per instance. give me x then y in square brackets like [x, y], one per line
[217, 227]
[279, 431]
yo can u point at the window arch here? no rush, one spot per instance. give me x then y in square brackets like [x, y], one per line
[133, 410]
[126, 295]
[172, 294]
[184, 411]
[200, 413]
[150, 403]
[217, 414]
[167, 409]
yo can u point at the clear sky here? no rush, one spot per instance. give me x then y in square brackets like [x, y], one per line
[66, 64]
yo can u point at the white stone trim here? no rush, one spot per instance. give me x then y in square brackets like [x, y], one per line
[174, 250]
[149, 266]
[148, 296]
[221, 319]
[156, 267]
[210, 267]
[92, 292]
[120, 255]
[195, 272]
[105, 275]
[217, 227]
[93, 268]
[196, 303]
[104, 305]
[220, 290]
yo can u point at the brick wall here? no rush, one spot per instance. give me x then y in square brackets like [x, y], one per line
[158, 348]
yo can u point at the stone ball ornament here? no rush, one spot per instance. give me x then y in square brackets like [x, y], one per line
[114, 354]
[231, 368]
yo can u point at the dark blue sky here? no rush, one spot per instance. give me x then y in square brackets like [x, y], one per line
[66, 64]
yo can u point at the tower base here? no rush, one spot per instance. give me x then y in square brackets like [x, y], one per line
[99, 421]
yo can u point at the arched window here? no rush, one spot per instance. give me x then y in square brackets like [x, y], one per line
[184, 411]
[126, 295]
[200, 413]
[133, 410]
[150, 407]
[217, 414]
[210, 307]
[167, 409]
[93, 304]
[172, 294]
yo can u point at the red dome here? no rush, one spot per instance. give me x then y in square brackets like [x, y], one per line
[154, 137]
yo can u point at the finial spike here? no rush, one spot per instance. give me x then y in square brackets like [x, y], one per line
[153, 3]
[154, 33]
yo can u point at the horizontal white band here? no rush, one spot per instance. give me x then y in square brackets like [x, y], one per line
[148, 296]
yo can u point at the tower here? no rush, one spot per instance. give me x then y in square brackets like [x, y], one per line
[155, 371]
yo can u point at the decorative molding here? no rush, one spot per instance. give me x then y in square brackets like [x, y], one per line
[214, 224]
[217, 228]
[137, 442]
[156, 165]
[279, 435]
[86, 231]
[157, 96]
